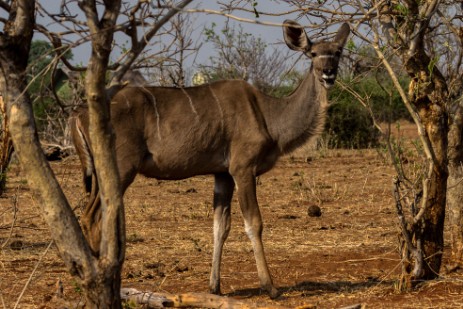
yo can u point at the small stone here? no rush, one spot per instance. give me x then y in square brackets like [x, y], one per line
[181, 268]
[16, 245]
[314, 211]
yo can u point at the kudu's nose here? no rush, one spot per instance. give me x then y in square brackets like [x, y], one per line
[328, 71]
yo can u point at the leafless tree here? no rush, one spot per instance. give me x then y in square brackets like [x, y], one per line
[99, 275]
[241, 55]
[414, 31]
[178, 45]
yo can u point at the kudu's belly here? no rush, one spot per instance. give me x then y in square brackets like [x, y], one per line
[175, 167]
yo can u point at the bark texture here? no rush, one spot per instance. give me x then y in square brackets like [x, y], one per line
[6, 145]
[455, 190]
[106, 227]
[429, 94]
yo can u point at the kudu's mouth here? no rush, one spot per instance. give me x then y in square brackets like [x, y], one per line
[328, 80]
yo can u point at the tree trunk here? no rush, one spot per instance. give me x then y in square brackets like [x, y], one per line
[428, 93]
[455, 209]
[432, 231]
[427, 101]
[455, 190]
[15, 43]
[110, 248]
[6, 146]
[99, 277]
[105, 292]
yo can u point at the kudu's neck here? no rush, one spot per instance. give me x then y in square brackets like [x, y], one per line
[299, 116]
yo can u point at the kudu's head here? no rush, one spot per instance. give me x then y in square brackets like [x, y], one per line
[325, 55]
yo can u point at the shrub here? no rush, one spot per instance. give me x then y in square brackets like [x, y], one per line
[349, 125]
[385, 101]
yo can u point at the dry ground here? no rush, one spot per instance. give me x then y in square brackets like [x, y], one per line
[347, 256]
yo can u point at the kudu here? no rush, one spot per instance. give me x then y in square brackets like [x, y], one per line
[227, 128]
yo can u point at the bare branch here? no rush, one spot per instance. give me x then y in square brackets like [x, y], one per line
[5, 6]
[137, 47]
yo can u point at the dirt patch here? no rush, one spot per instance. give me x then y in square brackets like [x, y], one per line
[348, 255]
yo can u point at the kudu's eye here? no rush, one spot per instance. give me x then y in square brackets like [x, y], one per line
[313, 54]
[338, 53]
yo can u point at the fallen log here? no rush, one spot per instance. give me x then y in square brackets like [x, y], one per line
[201, 300]
[192, 300]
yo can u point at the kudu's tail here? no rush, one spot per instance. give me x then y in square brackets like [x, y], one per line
[79, 133]
[91, 217]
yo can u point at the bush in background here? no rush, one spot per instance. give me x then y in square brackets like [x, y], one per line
[349, 124]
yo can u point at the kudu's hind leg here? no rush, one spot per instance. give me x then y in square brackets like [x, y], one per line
[246, 190]
[223, 193]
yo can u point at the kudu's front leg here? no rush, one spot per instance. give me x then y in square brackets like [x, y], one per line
[246, 189]
[223, 193]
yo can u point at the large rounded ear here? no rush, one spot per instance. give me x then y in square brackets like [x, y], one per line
[342, 35]
[295, 36]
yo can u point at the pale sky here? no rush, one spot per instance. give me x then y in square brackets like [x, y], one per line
[270, 34]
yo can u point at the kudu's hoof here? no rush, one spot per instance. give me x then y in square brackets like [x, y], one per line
[215, 291]
[273, 293]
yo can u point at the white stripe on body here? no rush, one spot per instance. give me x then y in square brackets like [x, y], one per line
[190, 101]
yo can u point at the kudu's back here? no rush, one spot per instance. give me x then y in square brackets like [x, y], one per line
[171, 133]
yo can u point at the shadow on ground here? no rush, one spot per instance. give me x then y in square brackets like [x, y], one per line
[311, 288]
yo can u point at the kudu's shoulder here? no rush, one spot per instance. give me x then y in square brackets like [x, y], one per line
[131, 93]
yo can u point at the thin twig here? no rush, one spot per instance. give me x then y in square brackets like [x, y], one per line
[362, 101]
[424, 199]
[400, 214]
[366, 260]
